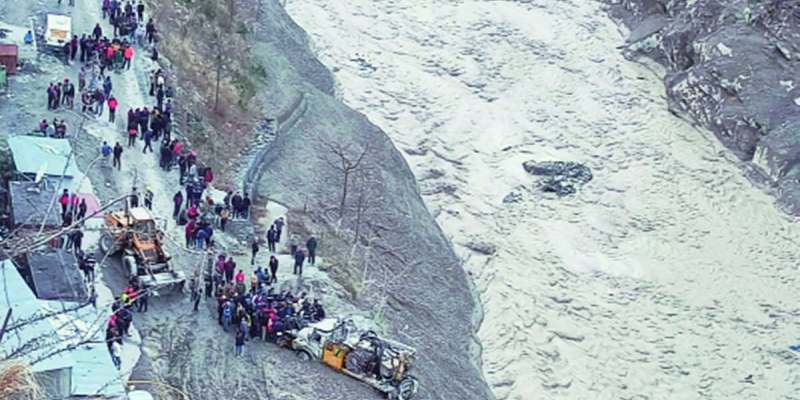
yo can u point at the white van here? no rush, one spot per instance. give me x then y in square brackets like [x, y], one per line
[58, 30]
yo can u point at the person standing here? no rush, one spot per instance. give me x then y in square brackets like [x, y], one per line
[97, 32]
[177, 201]
[246, 206]
[118, 156]
[125, 318]
[82, 45]
[57, 97]
[299, 258]
[64, 201]
[209, 281]
[254, 247]
[73, 47]
[101, 101]
[148, 141]
[132, 133]
[142, 303]
[140, 11]
[236, 203]
[50, 96]
[77, 240]
[82, 209]
[148, 198]
[230, 268]
[195, 287]
[189, 233]
[311, 245]
[128, 55]
[239, 278]
[239, 342]
[200, 237]
[134, 198]
[273, 269]
[224, 215]
[271, 238]
[293, 244]
[88, 265]
[69, 94]
[150, 31]
[278, 228]
[107, 86]
[67, 52]
[139, 34]
[112, 108]
[227, 315]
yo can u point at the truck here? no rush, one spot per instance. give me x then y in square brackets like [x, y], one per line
[134, 235]
[360, 354]
[58, 31]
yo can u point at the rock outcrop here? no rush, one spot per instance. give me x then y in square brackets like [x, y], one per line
[732, 65]
[561, 177]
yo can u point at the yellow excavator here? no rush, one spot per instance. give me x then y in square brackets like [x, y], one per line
[134, 235]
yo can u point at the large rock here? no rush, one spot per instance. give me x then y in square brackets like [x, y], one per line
[561, 177]
[733, 66]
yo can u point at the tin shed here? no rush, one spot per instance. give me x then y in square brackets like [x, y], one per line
[9, 54]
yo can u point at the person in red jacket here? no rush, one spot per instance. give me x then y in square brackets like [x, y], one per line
[132, 137]
[112, 108]
[64, 201]
[128, 55]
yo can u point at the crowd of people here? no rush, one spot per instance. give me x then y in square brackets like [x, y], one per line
[250, 304]
[256, 310]
[57, 129]
[121, 318]
[61, 94]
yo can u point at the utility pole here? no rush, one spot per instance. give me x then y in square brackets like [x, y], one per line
[5, 324]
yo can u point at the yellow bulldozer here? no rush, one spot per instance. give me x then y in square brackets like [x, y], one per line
[134, 234]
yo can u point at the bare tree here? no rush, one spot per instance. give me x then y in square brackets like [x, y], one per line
[222, 17]
[347, 162]
[368, 198]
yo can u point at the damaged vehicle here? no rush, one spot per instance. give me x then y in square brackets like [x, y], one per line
[361, 354]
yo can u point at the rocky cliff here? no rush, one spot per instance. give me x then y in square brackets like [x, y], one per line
[732, 65]
[381, 240]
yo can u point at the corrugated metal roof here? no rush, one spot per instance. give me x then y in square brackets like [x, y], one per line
[56, 276]
[93, 373]
[8, 50]
[16, 295]
[32, 153]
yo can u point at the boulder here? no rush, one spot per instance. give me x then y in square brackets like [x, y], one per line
[561, 177]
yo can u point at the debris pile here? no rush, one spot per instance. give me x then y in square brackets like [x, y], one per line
[561, 177]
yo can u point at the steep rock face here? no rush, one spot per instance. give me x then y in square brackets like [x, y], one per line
[426, 297]
[733, 67]
[428, 301]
